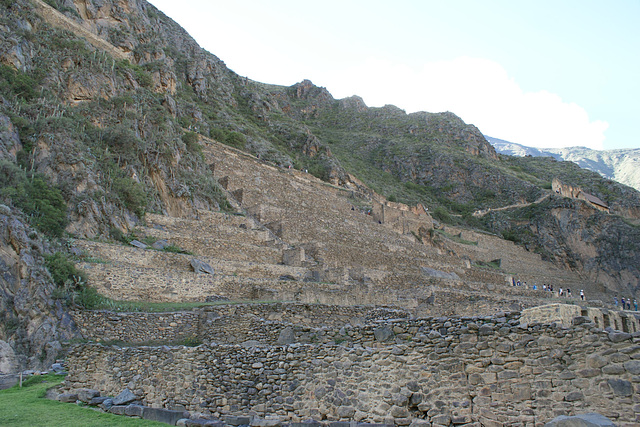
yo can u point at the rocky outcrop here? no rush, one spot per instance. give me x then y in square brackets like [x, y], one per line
[33, 323]
[600, 246]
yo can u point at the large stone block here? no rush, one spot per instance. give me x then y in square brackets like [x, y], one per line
[582, 420]
[87, 394]
[126, 396]
[68, 397]
[118, 410]
[134, 410]
[552, 313]
[163, 415]
[620, 387]
[383, 334]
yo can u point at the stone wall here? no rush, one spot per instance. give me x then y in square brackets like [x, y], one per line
[444, 370]
[564, 314]
[259, 323]
[271, 324]
[136, 328]
[402, 218]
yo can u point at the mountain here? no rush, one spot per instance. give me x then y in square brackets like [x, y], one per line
[621, 165]
[106, 107]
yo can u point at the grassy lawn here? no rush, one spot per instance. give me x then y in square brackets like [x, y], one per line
[27, 406]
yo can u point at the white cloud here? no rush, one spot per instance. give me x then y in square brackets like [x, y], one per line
[478, 90]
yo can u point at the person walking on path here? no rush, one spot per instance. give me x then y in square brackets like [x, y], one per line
[582, 294]
[635, 304]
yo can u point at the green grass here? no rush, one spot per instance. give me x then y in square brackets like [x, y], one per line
[28, 407]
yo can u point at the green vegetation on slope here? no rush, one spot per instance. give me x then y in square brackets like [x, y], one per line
[41, 201]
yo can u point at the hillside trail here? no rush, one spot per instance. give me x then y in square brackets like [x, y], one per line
[483, 212]
[57, 19]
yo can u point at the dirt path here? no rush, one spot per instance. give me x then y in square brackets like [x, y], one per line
[483, 212]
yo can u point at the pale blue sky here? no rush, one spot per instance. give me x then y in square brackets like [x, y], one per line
[544, 73]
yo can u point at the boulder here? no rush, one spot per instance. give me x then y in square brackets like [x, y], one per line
[57, 367]
[99, 400]
[118, 410]
[633, 367]
[138, 244]
[201, 267]
[134, 410]
[582, 420]
[68, 397]
[233, 420]
[619, 336]
[87, 394]
[160, 244]
[126, 396]
[106, 404]
[345, 411]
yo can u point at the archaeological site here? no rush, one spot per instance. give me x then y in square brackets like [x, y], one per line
[193, 247]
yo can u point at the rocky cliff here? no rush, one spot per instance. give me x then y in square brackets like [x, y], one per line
[33, 323]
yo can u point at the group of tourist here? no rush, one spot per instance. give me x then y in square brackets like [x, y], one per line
[626, 303]
[549, 288]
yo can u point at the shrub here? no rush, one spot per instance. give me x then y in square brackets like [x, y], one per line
[89, 298]
[131, 194]
[36, 197]
[122, 141]
[190, 139]
[234, 139]
[71, 283]
[63, 270]
[441, 214]
[17, 83]
[176, 250]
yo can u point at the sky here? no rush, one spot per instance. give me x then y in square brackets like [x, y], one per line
[544, 73]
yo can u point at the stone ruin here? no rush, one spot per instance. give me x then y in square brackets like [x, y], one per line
[367, 322]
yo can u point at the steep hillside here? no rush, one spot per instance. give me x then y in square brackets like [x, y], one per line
[619, 165]
[109, 110]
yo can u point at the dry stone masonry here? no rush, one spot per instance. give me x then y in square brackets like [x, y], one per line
[492, 370]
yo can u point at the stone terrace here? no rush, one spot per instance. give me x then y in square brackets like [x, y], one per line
[351, 246]
[298, 238]
[360, 332]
